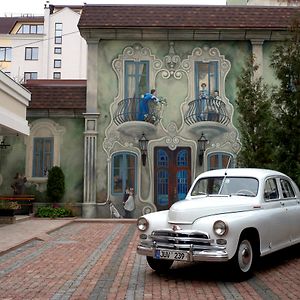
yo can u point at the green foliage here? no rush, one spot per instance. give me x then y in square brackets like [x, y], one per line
[55, 184]
[286, 64]
[53, 212]
[255, 118]
[270, 125]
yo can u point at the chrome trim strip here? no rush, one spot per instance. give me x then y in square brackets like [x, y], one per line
[194, 255]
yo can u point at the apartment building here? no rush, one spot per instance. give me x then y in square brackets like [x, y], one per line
[43, 47]
[264, 2]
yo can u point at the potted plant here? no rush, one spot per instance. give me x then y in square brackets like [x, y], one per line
[7, 208]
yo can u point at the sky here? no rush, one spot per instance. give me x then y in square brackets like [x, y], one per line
[36, 7]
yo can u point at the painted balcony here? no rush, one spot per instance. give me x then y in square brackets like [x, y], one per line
[133, 116]
[207, 113]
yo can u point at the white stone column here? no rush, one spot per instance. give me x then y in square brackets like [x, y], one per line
[91, 133]
[90, 157]
[257, 51]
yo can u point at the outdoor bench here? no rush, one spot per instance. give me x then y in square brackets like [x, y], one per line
[25, 201]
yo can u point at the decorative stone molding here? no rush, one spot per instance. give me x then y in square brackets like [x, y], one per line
[43, 128]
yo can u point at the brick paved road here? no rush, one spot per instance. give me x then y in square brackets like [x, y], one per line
[99, 261]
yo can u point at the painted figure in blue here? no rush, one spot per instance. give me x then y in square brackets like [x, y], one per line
[144, 108]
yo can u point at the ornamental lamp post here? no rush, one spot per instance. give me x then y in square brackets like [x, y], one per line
[202, 146]
[143, 144]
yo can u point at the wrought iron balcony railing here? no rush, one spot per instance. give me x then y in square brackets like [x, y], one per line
[207, 109]
[135, 109]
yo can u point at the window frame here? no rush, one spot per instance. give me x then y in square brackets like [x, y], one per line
[215, 77]
[7, 53]
[57, 64]
[58, 33]
[220, 156]
[32, 29]
[31, 53]
[136, 77]
[41, 156]
[31, 73]
[123, 171]
[57, 50]
[56, 73]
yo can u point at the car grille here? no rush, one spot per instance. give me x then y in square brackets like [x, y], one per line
[181, 239]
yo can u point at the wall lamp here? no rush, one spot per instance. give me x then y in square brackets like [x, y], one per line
[143, 143]
[202, 146]
[3, 145]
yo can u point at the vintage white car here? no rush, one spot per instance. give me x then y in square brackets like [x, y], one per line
[233, 215]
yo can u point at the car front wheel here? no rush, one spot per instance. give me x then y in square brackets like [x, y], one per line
[159, 265]
[244, 258]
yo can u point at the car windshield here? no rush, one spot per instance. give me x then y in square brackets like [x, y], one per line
[241, 186]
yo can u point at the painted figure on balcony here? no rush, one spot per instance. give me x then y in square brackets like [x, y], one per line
[144, 104]
[203, 92]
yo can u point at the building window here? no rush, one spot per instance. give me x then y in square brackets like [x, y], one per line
[30, 75]
[58, 33]
[31, 53]
[5, 53]
[31, 29]
[136, 78]
[220, 160]
[57, 63]
[208, 74]
[123, 172]
[56, 75]
[43, 147]
[57, 50]
[42, 156]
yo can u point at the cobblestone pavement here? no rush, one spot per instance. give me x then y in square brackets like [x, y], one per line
[95, 260]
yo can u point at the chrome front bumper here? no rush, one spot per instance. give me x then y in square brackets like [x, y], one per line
[194, 255]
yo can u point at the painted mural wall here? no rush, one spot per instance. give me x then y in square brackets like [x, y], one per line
[171, 68]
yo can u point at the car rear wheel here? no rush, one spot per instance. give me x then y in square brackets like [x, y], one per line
[159, 265]
[244, 258]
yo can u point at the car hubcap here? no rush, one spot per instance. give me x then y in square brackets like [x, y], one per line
[245, 256]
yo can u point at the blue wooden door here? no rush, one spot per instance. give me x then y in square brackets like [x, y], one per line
[172, 175]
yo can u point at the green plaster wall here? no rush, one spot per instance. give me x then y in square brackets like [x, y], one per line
[174, 90]
[13, 159]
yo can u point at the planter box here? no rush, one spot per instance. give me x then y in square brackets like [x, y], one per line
[7, 220]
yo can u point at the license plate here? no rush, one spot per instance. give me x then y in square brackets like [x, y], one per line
[170, 254]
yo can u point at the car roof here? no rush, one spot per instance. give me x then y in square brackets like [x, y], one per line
[248, 172]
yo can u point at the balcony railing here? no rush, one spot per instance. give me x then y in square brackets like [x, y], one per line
[136, 109]
[207, 109]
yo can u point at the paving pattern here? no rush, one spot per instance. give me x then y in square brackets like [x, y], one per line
[93, 260]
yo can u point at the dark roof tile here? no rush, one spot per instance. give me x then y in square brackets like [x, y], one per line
[165, 16]
[8, 23]
[57, 94]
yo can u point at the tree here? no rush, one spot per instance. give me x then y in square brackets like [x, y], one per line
[55, 184]
[255, 119]
[286, 63]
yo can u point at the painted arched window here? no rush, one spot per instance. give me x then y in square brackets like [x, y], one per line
[182, 158]
[162, 159]
[220, 160]
[123, 172]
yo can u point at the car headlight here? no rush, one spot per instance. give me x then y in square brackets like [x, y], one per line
[220, 228]
[142, 224]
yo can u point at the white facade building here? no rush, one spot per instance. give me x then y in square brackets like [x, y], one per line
[264, 2]
[48, 47]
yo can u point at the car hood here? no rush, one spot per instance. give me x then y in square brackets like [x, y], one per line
[187, 211]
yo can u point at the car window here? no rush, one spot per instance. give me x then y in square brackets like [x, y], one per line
[271, 190]
[287, 190]
[242, 186]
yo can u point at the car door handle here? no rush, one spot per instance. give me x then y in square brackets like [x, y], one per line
[282, 203]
